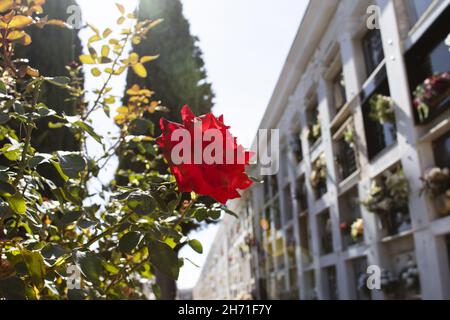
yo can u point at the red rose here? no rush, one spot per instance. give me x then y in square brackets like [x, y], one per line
[221, 179]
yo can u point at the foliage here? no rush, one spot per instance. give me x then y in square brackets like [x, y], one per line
[430, 93]
[389, 194]
[64, 60]
[117, 246]
[382, 109]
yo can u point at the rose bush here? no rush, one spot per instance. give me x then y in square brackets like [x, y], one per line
[50, 225]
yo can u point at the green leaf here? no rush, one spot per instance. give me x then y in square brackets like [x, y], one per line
[70, 217]
[72, 164]
[4, 118]
[141, 204]
[60, 171]
[85, 223]
[11, 152]
[201, 214]
[196, 245]
[164, 259]
[6, 189]
[58, 81]
[3, 88]
[129, 241]
[33, 162]
[89, 130]
[36, 267]
[215, 213]
[53, 251]
[142, 127]
[17, 203]
[110, 268]
[90, 266]
[53, 174]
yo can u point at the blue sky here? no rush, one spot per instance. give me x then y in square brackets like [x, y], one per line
[245, 44]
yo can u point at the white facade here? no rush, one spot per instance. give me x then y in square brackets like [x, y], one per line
[228, 273]
[302, 249]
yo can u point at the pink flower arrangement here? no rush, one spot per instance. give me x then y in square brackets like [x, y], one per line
[430, 93]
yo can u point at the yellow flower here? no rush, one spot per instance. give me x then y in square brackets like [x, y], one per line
[357, 228]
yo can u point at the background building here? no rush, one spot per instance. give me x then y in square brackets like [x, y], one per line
[344, 105]
[229, 271]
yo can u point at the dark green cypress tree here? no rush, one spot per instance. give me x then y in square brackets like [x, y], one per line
[178, 76]
[52, 49]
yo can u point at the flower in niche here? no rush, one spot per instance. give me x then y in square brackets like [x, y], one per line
[357, 228]
[204, 157]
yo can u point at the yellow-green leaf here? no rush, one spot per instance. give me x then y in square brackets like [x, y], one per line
[17, 203]
[36, 267]
[18, 22]
[140, 70]
[96, 72]
[107, 32]
[26, 40]
[109, 100]
[121, 8]
[87, 59]
[154, 23]
[148, 58]
[5, 5]
[105, 51]
[58, 23]
[15, 35]
[121, 20]
[136, 40]
[94, 38]
[134, 58]
[94, 29]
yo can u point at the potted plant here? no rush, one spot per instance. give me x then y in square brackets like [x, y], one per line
[388, 197]
[382, 109]
[436, 184]
[429, 94]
